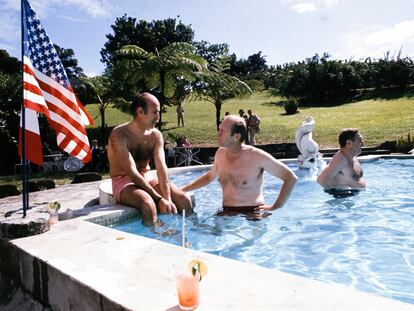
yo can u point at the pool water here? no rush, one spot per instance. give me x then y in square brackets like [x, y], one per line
[364, 241]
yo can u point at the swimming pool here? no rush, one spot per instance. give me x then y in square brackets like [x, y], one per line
[365, 241]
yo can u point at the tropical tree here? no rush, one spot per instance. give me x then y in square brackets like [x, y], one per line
[70, 62]
[161, 72]
[97, 90]
[211, 52]
[218, 87]
[147, 35]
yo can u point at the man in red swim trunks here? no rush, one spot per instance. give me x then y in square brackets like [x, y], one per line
[131, 147]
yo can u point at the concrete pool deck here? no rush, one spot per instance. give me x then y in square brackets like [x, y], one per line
[80, 265]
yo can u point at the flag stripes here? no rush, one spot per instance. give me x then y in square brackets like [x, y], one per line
[47, 89]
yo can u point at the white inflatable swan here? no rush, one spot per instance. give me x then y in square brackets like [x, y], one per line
[309, 156]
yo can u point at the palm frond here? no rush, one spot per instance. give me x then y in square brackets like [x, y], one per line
[133, 51]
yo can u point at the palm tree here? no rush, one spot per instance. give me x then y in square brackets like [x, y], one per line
[218, 87]
[161, 71]
[97, 89]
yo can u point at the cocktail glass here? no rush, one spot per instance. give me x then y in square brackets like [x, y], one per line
[188, 289]
[54, 216]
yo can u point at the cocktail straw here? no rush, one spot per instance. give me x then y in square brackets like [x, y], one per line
[183, 229]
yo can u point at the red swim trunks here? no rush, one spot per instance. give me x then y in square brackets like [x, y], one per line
[119, 183]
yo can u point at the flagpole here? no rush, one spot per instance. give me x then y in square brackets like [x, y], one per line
[25, 169]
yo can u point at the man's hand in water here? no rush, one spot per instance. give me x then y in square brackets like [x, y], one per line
[166, 207]
[263, 208]
[262, 211]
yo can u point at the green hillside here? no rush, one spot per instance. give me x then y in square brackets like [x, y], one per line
[379, 119]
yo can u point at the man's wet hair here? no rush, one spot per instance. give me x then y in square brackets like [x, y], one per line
[140, 101]
[239, 127]
[347, 134]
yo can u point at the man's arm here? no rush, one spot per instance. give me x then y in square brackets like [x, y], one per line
[280, 170]
[166, 204]
[326, 177]
[161, 167]
[206, 178]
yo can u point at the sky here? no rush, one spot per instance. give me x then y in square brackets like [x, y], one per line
[283, 30]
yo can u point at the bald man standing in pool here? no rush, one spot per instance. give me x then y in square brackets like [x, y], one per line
[240, 170]
[344, 170]
[131, 147]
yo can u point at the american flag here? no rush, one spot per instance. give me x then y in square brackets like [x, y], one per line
[47, 89]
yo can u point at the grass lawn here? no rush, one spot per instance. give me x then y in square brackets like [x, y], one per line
[379, 119]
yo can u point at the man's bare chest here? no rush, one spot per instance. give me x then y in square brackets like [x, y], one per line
[239, 173]
[141, 148]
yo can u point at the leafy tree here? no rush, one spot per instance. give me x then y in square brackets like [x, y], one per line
[252, 68]
[211, 52]
[390, 72]
[161, 71]
[238, 67]
[218, 87]
[97, 90]
[257, 63]
[9, 65]
[10, 103]
[147, 35]
[69, 61]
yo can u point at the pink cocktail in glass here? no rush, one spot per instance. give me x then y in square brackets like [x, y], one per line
[188, 289]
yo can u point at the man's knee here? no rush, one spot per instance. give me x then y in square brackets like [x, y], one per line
[183, 201]
[137, 198]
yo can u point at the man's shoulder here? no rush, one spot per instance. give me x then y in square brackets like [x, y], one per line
[253, 150]
[338, 159]
[120, 127]
[119, 131]
[156, 132]
[221, 150]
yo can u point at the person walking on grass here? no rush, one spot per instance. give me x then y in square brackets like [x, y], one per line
[180, 115]
[253, 126]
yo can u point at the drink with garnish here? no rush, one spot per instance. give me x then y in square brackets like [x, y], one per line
[188, 287]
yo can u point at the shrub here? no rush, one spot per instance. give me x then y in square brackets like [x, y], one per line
[291, 105]
[405, 145]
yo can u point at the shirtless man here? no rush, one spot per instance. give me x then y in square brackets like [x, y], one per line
[131, 147]
[240, 169]
[344, 170]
